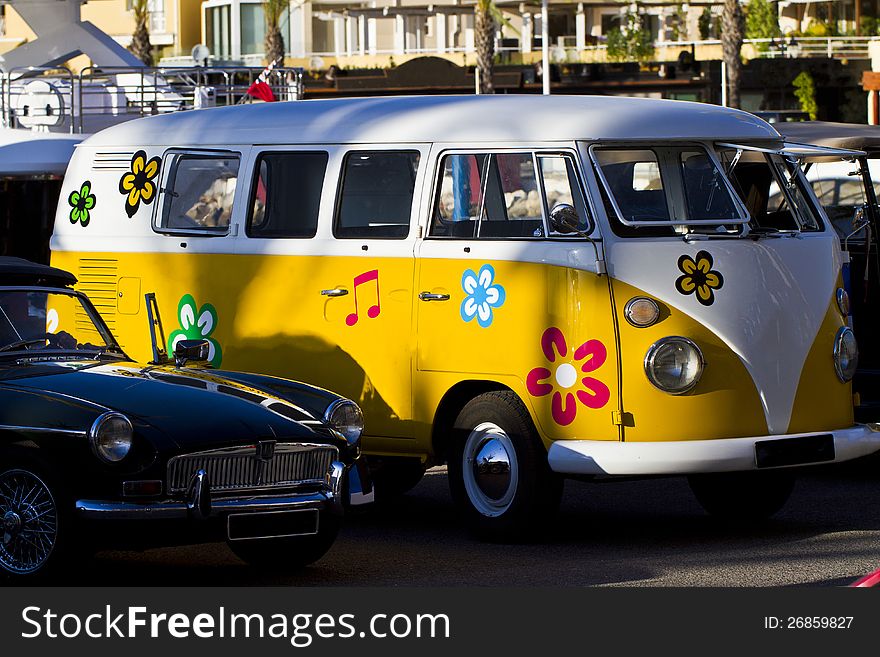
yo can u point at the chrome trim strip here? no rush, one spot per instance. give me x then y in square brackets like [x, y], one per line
[177, 510]
[69, 432]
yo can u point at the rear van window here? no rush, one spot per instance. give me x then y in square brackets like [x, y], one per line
[376, 194]
[198, 192]
[286, 195]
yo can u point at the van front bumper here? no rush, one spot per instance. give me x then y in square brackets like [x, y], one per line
[595, 457]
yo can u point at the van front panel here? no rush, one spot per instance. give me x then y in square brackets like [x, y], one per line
[765, 324]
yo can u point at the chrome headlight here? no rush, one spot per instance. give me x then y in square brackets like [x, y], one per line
[674, 364]
[846, 354]
[110, 436]
[346, 417]
[843, 302]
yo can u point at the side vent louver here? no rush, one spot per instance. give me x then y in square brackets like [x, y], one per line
[97, 280]
[117, 161]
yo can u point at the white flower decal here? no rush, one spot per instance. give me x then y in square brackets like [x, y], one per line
[482, 295]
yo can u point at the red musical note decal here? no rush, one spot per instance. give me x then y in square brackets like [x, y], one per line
[374, 310]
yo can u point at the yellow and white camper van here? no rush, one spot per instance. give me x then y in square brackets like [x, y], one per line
[526, 287]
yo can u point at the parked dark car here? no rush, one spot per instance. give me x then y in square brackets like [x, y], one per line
[96, 450]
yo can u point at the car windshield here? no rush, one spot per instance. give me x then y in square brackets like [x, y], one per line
[40, 320]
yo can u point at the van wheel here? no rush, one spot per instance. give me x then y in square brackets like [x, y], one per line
[290, 554]
[742, 497]
[34, 524]
[498, 470]
[393, 477]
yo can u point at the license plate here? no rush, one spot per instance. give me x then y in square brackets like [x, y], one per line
[794, 451]
[272, 524]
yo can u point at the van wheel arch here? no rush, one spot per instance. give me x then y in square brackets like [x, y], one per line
[449, 408]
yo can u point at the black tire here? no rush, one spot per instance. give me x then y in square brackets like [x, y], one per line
[392, 477]
[498, 502]
[742, 497]
[287, 555]
[37, 532]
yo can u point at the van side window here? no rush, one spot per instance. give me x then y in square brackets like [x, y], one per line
[502, 196]
[561, 187]
[198, 193]
[376, 194]
[286, 195]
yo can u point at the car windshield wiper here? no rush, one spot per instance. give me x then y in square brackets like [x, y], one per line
[21, 343]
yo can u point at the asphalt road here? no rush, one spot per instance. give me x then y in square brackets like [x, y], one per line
[638, 533]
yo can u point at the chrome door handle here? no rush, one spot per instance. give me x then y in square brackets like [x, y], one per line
[429, 296]
[335, 292]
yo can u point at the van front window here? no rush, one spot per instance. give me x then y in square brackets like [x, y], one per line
[773, 191]
[665, 191]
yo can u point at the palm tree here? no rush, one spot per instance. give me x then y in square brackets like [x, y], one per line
[732, 28]
[486, 19]
[140, 39]
[274, 39]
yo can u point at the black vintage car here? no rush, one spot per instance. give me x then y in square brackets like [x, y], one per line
[96, 450]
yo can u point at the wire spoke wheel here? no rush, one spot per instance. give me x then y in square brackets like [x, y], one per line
[28, 522]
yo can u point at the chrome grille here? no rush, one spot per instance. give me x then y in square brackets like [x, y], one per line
[240, 468]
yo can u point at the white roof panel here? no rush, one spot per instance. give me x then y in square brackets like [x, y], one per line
[506, 118]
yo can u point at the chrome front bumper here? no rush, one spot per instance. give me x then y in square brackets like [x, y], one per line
[199, 505]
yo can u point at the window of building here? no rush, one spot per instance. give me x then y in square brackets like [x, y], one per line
[198, 192]
[287, 195]
[253, 29]
[218, 31]
[376, 194]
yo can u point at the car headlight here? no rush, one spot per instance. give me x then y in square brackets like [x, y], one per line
[346, 417]
[674, 364]
[842, 302]
[110, 436]
[846, 354]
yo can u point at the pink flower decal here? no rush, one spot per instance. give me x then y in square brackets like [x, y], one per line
[561, 378]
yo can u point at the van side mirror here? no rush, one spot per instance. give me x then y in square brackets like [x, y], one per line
[190, 350]
[859, 220]
[564, 219]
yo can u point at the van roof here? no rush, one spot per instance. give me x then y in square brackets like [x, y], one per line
[396, 119]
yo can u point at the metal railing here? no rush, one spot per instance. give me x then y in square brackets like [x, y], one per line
[565, 48]
[28, 100]
[58, 100]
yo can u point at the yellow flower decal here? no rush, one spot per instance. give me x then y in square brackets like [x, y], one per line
[699, 278]
[137, 185]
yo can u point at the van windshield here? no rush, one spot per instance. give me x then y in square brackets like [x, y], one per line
[666, 191]
[773, 190]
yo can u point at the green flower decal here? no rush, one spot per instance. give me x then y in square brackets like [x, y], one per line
[81, 202]
[196, 324]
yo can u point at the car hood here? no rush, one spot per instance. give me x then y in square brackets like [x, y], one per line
[191, 407]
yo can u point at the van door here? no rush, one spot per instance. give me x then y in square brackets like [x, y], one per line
[502, 297]
[329, 300]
